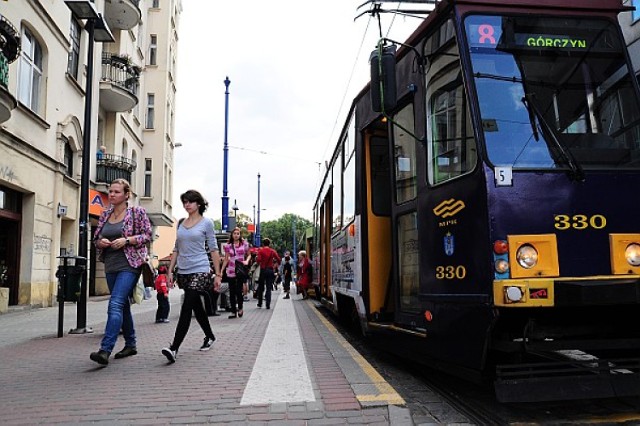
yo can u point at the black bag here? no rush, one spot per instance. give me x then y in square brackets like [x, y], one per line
[148, 275]
[242, 271]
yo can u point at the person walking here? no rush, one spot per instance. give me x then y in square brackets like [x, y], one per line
[194, 271]
[305, 275]
[236, 251]
[286, 271]
[265, 258]
[162, 294]
[120, 239]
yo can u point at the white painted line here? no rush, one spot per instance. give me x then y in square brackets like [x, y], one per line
[280, 373]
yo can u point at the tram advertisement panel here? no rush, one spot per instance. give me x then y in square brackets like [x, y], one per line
[343, 259]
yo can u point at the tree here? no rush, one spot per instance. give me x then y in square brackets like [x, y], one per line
[280, 231]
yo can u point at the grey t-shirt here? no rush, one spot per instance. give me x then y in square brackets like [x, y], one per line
[192, 257]
[114, 260]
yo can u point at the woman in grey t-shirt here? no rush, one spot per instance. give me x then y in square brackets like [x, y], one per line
[191, 258]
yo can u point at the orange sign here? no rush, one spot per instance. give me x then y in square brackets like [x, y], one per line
[98, 201]
[251, 227]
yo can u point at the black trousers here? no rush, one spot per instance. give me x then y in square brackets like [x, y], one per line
[265, 283]
[235, 294]
[192, 302]
[163, 307]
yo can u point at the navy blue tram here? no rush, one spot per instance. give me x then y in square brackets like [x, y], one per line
[481, 209]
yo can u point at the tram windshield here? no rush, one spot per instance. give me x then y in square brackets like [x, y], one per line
[554, 93]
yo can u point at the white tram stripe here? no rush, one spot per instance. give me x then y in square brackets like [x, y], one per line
[280, 373]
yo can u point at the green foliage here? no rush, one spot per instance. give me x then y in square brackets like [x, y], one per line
[280, 231]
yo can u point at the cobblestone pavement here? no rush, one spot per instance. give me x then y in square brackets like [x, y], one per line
[49, 380]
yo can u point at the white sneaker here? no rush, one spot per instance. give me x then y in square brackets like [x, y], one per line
[170, 354]
[206, 345]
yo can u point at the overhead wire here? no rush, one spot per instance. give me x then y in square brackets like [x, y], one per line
[346, 91]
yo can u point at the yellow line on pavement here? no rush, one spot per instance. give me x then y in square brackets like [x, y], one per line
[386, 392]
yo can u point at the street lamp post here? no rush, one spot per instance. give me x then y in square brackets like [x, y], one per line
[225, 198]
[258, 223]
[97, 30]
[254, 224]
[235, 213]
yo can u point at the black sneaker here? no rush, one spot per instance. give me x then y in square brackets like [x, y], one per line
[170, 354]
[101, 357]
[127, 351]
[206, 345]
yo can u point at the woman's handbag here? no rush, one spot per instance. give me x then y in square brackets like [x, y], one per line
[242, 271]
[137, 295]
[148, 275]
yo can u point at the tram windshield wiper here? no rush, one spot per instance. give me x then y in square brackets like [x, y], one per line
[537, 118]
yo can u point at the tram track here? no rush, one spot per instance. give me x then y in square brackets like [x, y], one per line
[430, 393]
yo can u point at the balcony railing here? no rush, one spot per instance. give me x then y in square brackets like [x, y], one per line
[110, 167]
[9, 48]
[119, 71]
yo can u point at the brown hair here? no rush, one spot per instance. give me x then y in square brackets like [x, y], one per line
[124, 183]
[234, 230]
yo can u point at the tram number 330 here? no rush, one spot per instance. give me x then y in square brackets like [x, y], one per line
[451, 272]
[579, 221]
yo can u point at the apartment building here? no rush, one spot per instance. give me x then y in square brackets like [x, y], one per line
[44, 51]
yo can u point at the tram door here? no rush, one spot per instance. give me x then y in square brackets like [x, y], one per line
[404, 218]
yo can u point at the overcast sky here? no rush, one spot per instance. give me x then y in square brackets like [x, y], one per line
[290, 63]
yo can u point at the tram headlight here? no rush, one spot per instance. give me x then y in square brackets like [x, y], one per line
[502, 266]
[527, 256]
[513, 293]
[632, 254]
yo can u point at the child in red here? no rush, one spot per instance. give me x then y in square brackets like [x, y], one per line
[162, 314]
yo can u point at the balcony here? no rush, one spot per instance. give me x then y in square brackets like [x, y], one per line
[119, 83]
[122, 14]
[111, 167]
[9, 51]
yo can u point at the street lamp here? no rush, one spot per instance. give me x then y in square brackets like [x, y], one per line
[258, 223]
[225, 198]
[235, 213]
[97, 30]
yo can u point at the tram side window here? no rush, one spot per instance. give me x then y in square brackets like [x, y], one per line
[451, 142]
[452, 146]
[405, 155]
[337, 194]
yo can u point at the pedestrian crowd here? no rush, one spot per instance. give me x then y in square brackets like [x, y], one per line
[208, 274]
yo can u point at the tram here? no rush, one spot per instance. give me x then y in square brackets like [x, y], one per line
[480, 212]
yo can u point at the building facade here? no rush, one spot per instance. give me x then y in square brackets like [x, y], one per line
[43, 79]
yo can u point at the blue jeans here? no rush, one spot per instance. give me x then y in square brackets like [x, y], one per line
[119, 311]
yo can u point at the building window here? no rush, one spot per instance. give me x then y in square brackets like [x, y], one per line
[153, 50]
[68, 158]
[151, 98]
[156, 4]
[74, 54]
[147, 177]
[30, 74]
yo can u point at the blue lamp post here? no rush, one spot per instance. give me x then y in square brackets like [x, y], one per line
[225, 198]
[98, 31]
[258, 222]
